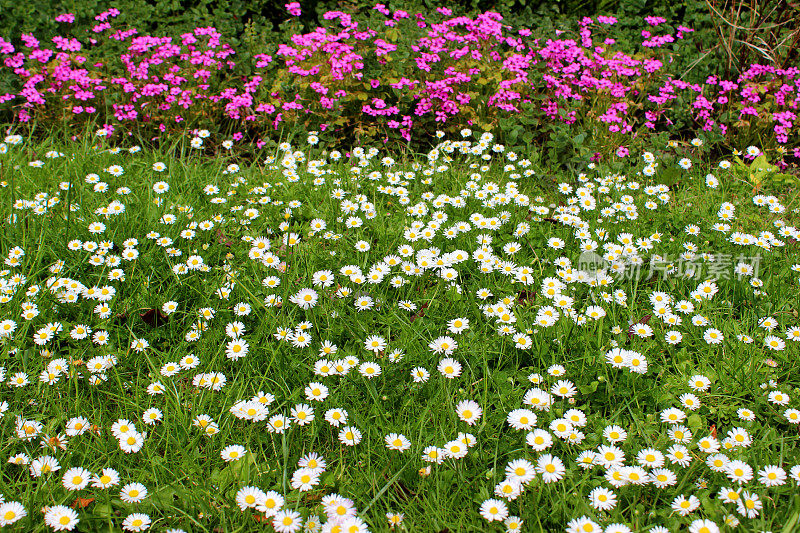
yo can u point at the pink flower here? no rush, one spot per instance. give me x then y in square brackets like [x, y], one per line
[69, 18]
[293, 8]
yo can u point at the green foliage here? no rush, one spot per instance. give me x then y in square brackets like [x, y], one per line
[760, 172]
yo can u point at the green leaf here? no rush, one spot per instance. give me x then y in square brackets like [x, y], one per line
[789, 527]
[589, 387]
[527, 137]
[695, 422]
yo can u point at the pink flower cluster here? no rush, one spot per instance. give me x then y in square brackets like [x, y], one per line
[437, 71]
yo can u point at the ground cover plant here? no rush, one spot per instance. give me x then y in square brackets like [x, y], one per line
[395, 77]
[471, 339]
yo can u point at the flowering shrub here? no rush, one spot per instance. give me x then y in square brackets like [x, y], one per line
[397, 78]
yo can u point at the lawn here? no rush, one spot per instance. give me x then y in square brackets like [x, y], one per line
[468, 339]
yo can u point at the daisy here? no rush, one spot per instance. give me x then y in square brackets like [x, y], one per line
[336, 417]
[615, 434]
[305, 298]
[349, 436]
[407, 305]
[672, 416]
[420, 375]
[248, 497]
[305, 479]
[270, 503]
[369, 370]
[449, 368]
[302, 414]
[718, 462]
[636, 475]
[539, 439]
[739, 471]
[338, 508]
[729, 495]
[469, 411]
[445, 345]
[740, 437]
[708, 444]
[131, 443]
[650, 458]
[679, 454]
[77, 426]
[583, 524]
[364, 303]
[777, 397]
[133, 493]
[375, 344]
[690, 401]
[152, 415]
[551, 468]
[234, 452]
[523, 419]
[494, 510]
[286, 521]
[774, 343]
[538, 399]
[456, 449]
[61, 518]
[396, 441]
[458, 325]
[508, 489]
[772, 476]
[299, 339]
[76, 478]
[586, 459]
[699, 383]
[10, 512]
[312, 461]
[107, 478]
[432, 454]
[683, 505]
[662, 477]
[602, 499]
[792, 416]
[316, 392]
[749, 505]
[170, 369]
[136, 522]
[704, 525]
[521, 471]
[713, 336]
[188, 362]
[564, 389]
[278, 424]
[610, 457]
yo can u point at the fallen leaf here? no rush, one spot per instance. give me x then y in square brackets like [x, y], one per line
[153, 318]
[80, 503]
[420, 313]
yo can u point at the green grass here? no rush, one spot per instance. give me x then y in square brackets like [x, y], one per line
[191, 487]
